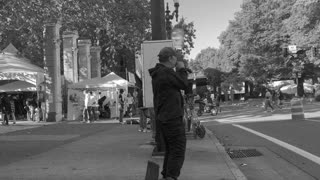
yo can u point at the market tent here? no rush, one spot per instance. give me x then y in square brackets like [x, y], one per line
[292, 88]
[12, 62]
[108, 85]
[109, 81]
[13, 66]
[279, 84]
[18, 86]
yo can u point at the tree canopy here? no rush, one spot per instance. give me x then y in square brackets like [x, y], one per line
[120, 25]
[252, 44]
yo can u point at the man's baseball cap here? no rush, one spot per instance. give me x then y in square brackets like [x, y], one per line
[167, 52]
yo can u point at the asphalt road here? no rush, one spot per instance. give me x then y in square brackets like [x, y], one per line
[301, 134]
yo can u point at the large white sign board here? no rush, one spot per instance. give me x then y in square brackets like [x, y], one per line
[149, 52]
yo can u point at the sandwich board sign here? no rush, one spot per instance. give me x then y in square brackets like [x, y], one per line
[149, 52]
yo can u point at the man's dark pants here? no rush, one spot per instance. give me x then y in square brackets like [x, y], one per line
[92, 113]
[175, 143]
[5, 116]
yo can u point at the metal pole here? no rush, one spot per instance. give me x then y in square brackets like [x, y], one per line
[158, 33]
[44, 114]
[158, 20]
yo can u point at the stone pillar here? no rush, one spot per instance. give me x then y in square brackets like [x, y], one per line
[84, 62]
[70, 56]
[95, 61]
[70, 65]
[52, 65]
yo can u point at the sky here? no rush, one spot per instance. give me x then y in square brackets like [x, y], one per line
[210, 18]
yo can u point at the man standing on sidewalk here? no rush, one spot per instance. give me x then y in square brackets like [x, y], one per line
[92, 103]
[168, 105]
[121, 107]
[5, 109]
[85, 112]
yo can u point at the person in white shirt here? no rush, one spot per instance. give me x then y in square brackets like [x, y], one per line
[85, 114]
[92, 104]
[129, 104]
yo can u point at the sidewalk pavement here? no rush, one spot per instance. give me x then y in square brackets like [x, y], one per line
[121, 153]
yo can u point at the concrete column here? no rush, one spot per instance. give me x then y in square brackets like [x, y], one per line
[84, 62]
[52, 65]
[95, 61]
[70, 56]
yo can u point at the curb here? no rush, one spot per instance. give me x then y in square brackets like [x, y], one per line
[232, 166]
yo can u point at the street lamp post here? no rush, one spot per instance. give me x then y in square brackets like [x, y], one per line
[169, 17]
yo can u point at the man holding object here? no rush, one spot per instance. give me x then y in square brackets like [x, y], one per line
[168, 105]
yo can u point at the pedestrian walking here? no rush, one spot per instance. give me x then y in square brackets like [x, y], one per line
[267, 102]
[121, 106]
[13, 108]
[5, 109]
[85, 114]
[142, 110]
[92, 104]
[168, 105]
[42, 104]
[130, 104]
[218, 99]
[135, 101]
[278, 98]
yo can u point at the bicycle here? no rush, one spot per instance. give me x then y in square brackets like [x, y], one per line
[192, 119]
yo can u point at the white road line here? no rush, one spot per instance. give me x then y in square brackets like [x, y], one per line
[299, 151]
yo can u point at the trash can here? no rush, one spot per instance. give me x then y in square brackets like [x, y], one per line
[297, 109]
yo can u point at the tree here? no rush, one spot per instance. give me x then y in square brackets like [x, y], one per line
[118, 24]
[215, 77]
[205, 58]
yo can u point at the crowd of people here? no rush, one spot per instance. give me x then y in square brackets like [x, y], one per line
[128, 104]
[273, 98]
[95, 106]
[21, 106]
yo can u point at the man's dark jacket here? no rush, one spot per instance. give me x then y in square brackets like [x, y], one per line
[166, 85]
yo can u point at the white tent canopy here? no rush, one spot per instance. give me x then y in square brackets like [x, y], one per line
[292, 88]
[109, 81]
[13, 66]
[18, 86]
[279, 84]
[12, 62]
